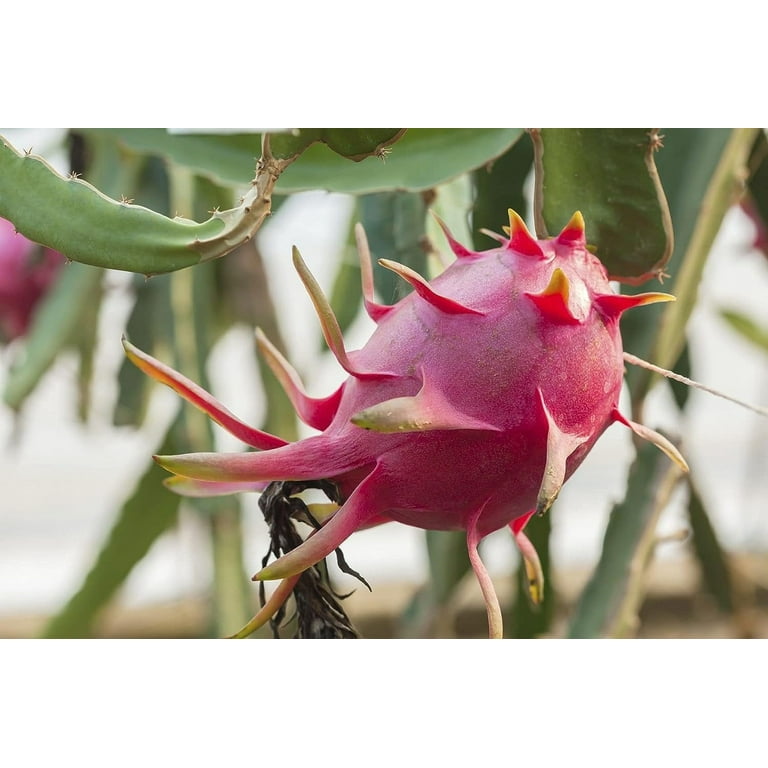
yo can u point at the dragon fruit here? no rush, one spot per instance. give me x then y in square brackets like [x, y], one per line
[26, 272]
[474, 400]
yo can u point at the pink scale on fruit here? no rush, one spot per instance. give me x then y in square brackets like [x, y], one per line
[26, 272]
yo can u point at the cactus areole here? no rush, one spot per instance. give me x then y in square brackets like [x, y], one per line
[474, 400]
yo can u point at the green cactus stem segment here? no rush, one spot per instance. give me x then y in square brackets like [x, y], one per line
[241, 224]
[74, 218]
[610, 175]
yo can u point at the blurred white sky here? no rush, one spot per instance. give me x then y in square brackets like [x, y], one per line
[62, 483]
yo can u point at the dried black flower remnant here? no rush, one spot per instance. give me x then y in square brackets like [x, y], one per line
[318, 611]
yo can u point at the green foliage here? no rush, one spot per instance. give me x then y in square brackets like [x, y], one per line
[149, 511]
[723, 190]
[395, 225]
[609, 600]
[351, 143]
[714, 562]
[54, 326]
[746, 327]
[499, 187]
[230, 159]
[71, 216]
[687, 166]
[757, 183]
[422, 159]
[429, 612]
[609, 175]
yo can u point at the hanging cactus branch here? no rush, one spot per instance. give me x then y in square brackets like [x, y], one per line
[73, 217]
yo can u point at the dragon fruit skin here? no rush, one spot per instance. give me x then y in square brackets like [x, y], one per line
[26, 272]
[474, 400]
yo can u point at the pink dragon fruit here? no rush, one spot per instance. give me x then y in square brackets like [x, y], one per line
[26, 272]
[474, 400]
[760, 241]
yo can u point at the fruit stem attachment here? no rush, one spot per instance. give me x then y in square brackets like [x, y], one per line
[691, 383]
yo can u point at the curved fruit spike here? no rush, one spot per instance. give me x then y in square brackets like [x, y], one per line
[613, 304]
[492, 607]
[553, 300]
[661, 442]
[351, 516]
[316, 412]
[520, 239]
[460, 251]
[200, 399]
[322, 511]
[329, 323]
[425, 290]
[573, 231]
[313, 457]
[426, 411]
[634, 360]
[494, 235]
[533, 570]
[269, 609]
[186, 486]
[560, 445]
[375, 311]
[519, 523]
